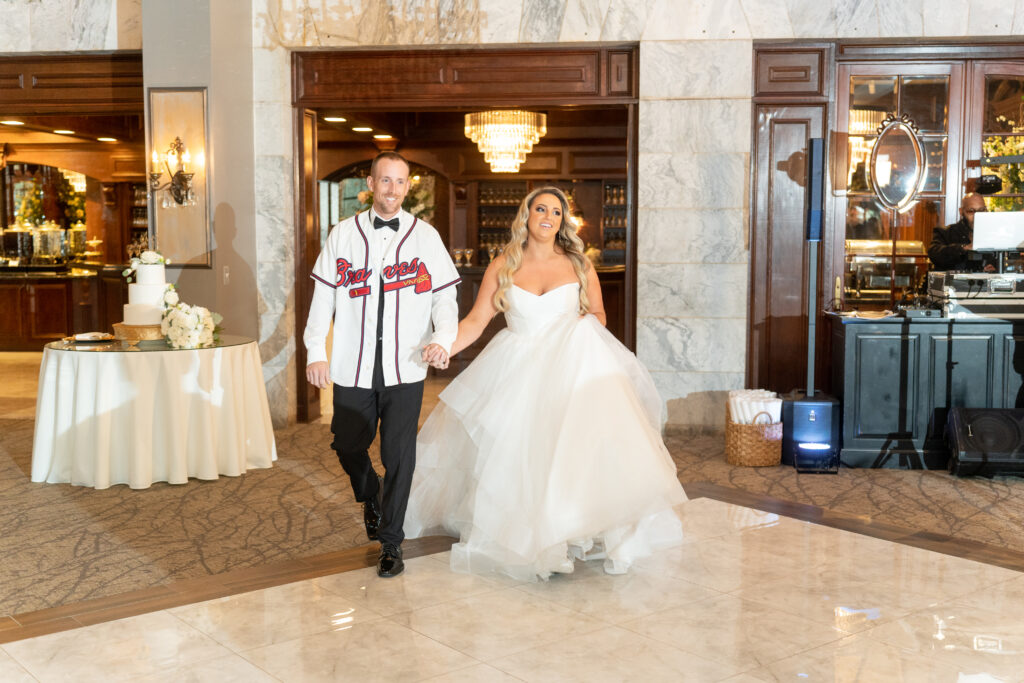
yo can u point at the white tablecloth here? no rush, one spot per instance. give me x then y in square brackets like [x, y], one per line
[134, 417]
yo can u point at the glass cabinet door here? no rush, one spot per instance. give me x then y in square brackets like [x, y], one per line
[885, 252]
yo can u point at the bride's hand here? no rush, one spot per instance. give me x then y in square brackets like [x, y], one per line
[435, 356]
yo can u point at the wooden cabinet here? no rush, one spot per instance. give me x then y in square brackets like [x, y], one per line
[897, 379]
[41, 309]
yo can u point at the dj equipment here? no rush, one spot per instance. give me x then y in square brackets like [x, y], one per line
[978, 295]
[985, 441]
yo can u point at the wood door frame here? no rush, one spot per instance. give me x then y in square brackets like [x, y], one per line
[449, 79]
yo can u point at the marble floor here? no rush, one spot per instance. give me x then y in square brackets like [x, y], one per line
[750, 596]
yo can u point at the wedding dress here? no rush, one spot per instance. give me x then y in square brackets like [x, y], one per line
[546, 449]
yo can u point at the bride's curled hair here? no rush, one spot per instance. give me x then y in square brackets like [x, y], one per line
[567, 240]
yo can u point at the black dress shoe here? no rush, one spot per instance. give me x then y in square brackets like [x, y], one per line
[390, 562]
[373, 512]
[371, 518]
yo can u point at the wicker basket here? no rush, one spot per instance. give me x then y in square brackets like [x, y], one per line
[753, 445]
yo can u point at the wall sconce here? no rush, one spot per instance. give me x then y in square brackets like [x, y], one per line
[177, 163]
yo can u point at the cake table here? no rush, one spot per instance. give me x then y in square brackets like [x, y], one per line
[136, 413]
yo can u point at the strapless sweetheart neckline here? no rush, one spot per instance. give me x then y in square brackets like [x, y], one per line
[567, 284]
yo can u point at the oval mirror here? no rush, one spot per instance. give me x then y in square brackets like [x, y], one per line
[897, 163]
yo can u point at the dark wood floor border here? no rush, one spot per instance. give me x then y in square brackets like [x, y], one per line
[190, 591]
[940, 543]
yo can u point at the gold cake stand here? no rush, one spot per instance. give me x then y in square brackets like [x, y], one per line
[136, 333]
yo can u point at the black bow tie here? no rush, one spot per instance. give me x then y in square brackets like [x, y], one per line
[379, 223]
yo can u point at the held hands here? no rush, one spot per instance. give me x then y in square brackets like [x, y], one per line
[317, 375]
[435, 356]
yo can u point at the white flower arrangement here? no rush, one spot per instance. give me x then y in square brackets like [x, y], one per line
[146, 258]
[188, 327]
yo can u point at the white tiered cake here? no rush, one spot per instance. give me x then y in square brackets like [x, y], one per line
[146, 295]
[145, 307]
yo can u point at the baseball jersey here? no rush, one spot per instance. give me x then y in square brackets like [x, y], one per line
[418, 279]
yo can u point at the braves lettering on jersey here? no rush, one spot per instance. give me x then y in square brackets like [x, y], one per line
[418, 277]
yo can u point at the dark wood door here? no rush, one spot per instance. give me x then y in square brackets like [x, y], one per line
[777, 339]
[307, 249]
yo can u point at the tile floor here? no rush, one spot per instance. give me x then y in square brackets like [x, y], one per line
[751, 596]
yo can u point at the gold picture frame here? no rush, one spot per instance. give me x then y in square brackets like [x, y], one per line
[180, 231]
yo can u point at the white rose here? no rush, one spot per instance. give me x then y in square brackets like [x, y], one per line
[170, 296]
[150, 257]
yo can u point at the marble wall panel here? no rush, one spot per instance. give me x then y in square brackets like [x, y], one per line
[272, 76]
[625, 20]
[906, 18]
[692, 236]
[282, 393]
[692, 290]
[986, 18]
[15, 33]
[943, 18]
[458, 21]
[813, 18]
[768, 18]
[277, 122]
[692, 344]
[499, 20]
[583, 20]
[695, 401]
[857, 19]
[541, 21]
[698, 19]
[1018, 18]
[695, 126]
[692, 181]
[277, 314]
[128, 28]
[51, 28]
[275, 237]
[273, 182]
[696, 69]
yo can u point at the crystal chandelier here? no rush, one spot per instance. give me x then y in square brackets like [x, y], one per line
[506, 136]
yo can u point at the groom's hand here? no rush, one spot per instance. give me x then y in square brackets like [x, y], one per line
[317, 374]
[435, 356]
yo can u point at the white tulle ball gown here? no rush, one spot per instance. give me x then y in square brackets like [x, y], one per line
[546, 449]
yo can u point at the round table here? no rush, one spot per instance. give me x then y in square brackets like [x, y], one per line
[120, 413]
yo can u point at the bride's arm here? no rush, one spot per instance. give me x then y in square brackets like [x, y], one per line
[593, 295]
[473, 325]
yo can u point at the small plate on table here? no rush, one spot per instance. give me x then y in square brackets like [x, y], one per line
[90, 338]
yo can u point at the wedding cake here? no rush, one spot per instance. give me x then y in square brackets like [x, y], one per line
[147, 298]
[146, 295]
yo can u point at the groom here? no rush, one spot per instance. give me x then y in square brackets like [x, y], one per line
[386, 278]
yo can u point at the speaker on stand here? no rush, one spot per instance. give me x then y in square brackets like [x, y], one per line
[810, 420]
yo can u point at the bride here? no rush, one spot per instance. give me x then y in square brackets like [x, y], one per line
[547, 448]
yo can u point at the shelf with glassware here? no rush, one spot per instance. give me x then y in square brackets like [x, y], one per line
[494, 205]
[136, 219]
[614, 221]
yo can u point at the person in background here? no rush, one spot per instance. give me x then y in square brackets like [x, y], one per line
[948, 250]
[384, 276]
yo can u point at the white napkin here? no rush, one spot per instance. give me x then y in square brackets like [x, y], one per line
[93, 336]
[746, 404]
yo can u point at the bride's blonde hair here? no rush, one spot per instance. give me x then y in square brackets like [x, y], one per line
[566, 239]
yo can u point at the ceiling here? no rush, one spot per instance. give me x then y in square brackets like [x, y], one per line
[566, 124]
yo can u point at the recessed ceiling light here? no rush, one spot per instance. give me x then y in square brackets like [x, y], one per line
[335, 119]
[13, 122]
[382, 136]
[107, 139]
[62, 131]
[362, 129]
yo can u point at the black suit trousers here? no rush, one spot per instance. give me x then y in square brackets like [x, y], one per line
[357, 413]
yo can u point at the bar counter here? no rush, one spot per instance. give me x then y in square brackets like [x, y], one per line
[897, 377]
[41, 306]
